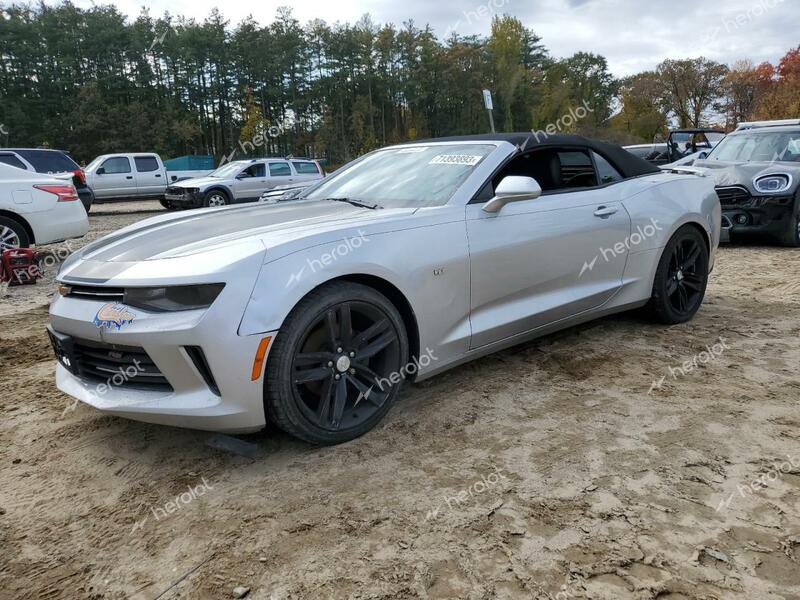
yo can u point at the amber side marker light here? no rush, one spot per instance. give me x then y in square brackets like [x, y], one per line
[258, 363]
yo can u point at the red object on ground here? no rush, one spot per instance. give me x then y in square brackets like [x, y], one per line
[18, 267]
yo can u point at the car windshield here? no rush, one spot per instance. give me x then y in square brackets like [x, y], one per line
[413, 176]
[229, 170]
[759, 146]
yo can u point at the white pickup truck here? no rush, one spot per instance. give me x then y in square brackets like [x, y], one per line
[133, 175]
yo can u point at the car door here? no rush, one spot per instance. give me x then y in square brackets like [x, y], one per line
[250, 183]
[150, 180]
[114, 178]
[539, 261]
[280, 173]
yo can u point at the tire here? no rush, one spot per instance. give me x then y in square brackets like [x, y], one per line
[681, 277]
[216, 198]
[791, 236]
[12, 235]
[326, 386]
[166, 204]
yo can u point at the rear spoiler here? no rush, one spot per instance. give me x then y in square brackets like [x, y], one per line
[699, 171]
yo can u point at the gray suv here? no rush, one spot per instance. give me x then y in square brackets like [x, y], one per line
[242, 181]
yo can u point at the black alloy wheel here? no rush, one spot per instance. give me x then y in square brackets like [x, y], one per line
[339, 365]
[681, 278]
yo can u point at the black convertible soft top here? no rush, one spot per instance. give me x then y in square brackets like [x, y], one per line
[626, 163]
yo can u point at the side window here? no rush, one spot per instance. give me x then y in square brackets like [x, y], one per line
[279, 170]
[305, 168]
[256, 170]
[555, 169]
[606, 173]
[145, 164]
[119, 164]
[11, 160]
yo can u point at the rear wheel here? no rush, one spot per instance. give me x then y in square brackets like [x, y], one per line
[215, 198]
[681, 277]
[12, 235]
[337, 364]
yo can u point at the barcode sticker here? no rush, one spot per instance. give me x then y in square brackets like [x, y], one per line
[456, 159]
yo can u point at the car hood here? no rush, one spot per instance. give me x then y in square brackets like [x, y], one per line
[200, 182]
[743, 173]
[197, 231]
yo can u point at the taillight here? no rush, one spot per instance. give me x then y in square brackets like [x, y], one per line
[80, 176]
[65, 193]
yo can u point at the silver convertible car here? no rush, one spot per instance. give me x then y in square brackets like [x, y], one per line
[406, 262]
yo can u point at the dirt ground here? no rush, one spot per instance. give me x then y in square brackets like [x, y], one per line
[616, 460]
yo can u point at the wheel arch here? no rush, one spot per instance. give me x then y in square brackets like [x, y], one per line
[220, 188]
[15, 217]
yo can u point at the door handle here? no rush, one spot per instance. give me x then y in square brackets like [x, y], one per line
[158, 175]
[129, 177]
[605, 211]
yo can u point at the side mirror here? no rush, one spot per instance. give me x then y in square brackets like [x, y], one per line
[703, 154]
[513, 188]
[242, 176]
[101, 171]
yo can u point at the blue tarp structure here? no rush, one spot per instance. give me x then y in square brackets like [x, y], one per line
[192, 162]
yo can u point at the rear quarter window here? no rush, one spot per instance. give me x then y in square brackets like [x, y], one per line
[49, 161]
[305, 168]
[11, 160]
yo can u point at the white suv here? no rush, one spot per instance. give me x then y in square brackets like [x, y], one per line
[242, 181]
[38, 209]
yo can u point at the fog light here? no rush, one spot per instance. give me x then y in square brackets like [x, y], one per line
[742, 219]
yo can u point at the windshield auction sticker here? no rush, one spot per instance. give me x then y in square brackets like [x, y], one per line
[456, 159]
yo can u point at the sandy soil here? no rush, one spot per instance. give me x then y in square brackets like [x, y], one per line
[583, 465]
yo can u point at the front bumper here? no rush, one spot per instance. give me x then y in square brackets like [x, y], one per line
[230, 401]
[185, 200]
[769, 220]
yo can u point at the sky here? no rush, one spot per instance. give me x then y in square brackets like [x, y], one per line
[634, 35]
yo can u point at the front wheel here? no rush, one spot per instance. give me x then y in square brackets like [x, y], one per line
[791, 236]
[681, 277]
[337, 364]
[215, 198]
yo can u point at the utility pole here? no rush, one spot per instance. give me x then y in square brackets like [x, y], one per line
[487, 102]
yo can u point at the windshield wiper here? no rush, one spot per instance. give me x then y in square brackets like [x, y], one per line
[355, 202]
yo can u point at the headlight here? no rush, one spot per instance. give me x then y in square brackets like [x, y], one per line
[773, 184]
[174, 298]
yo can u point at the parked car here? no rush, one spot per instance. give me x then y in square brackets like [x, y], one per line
[121, 176]
[757, 174]
[38, 209]
[680, 144]
[404, 263]
[242, 181]
[42, 160]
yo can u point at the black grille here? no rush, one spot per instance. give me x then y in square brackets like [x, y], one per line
[90, 292]
[120, 366]
[733, 196]
[176, 191]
